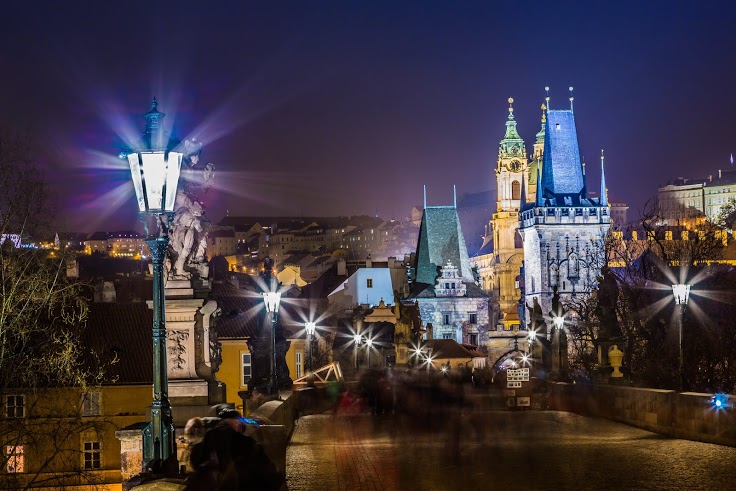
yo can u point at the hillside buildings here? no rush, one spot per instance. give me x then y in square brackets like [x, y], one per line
[683, 200]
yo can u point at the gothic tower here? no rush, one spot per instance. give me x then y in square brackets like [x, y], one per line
[512, 173]
[563, 229]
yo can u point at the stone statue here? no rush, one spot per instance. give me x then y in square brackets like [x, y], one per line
[188, 232]
[536, 318]
[557, 310]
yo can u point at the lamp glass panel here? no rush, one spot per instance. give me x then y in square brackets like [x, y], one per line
[272, 300]
[681, 293]
[310, 327]
[172, 179]
[154, 176]
[135, 172]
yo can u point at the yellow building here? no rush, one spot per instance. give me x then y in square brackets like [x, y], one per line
[64, 438]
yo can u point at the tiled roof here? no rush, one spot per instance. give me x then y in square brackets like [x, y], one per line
[441, 240]
[122, 332]
[561, 171]
[443, 349]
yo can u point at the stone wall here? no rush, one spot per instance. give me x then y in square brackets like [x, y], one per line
[687, 415]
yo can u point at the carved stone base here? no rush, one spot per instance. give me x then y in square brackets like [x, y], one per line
[187, 389]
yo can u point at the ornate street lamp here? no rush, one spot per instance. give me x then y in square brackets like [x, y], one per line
[681, 292]
[272, 301]
[154, 167]
[558, 321]
[311, 328]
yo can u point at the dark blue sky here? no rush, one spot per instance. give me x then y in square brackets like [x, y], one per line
[347, 107]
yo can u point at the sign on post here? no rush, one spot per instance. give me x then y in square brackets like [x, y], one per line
[514, 378]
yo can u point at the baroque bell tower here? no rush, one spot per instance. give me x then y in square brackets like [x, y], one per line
[512, 176]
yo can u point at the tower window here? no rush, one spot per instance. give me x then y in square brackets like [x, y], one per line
[515, 190]
[557, 126]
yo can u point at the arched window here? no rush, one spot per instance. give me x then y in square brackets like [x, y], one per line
[515, 190]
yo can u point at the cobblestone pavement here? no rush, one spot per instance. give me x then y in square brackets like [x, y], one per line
[498, 450]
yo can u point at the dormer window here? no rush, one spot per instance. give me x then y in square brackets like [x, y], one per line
[557, 126]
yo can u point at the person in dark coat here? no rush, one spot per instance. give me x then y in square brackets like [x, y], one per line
[228, 460]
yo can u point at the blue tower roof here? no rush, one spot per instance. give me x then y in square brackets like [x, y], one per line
[562, 172]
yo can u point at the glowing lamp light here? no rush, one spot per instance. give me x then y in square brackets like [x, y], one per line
[681, 293]
[559, 322]
[310, 327]
[720, 401]
[357, 338]
[444, 369]
[272, 300]
[532, 335]
[525, 358]
[369, 342]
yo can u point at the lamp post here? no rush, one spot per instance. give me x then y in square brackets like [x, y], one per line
[310, 327]
[155, 169]
[357, 339]
[272, 300]
[368, 346]
[681, 293]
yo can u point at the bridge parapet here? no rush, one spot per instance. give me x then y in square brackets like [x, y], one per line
[687, 415]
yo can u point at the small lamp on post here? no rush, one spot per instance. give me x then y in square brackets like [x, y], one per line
[311, 328]
[155, 168]
[272, 301]
[357, 339]
[681, 292]
[558, 321]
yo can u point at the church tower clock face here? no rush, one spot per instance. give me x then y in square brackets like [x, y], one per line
[515, 166]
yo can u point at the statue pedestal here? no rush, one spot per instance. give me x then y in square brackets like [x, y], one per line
[191, 349]
[178, 289]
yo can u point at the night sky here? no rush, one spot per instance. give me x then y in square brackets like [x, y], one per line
[348, 107]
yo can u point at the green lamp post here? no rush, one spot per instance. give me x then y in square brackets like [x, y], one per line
[155, 169]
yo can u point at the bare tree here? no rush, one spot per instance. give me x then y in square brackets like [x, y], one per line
[44, 370]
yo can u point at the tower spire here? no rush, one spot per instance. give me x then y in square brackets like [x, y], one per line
[571, 97]
[604, 190]
[546, 97]
[425, 196]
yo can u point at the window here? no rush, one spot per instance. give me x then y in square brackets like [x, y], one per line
[446, 319]
[473, 318]
[15, 407]
[474, 339]
[447, 335]
[16, 459]
[515, 190]
[245, 363]
[92, 455]
[298, 364]
[369, 282]
[91, 404]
